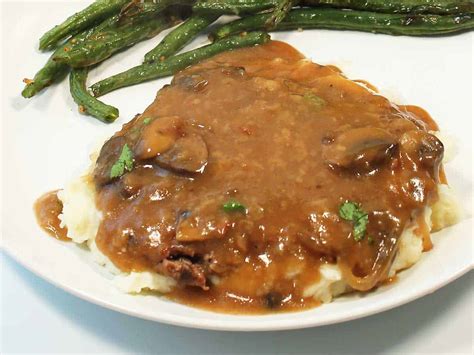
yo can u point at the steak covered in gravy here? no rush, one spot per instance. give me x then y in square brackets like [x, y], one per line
[254, 168]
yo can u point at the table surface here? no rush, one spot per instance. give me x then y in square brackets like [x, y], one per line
[37, 317]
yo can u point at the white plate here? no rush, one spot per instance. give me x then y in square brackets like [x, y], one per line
[46, 142]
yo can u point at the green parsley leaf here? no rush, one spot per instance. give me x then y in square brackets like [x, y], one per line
[315, 99]
[360, 226]
[146, 120]
[234, 206]
[359, 214]
[351, 211]
[124, 163]
[347, 210]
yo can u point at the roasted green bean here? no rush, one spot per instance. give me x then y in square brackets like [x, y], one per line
[335, 19]
[88, 104]
[97, 11]
[171, 65]
[399, 6]
[236, 7]
[179, 37]
[279, 13]
[50, 73]
[53, 71]
[103, 44]
[137, 10]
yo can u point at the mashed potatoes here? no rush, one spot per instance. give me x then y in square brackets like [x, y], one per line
[82, 220]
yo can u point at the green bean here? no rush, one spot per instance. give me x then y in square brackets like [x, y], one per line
[97, 11]
[400, 6]
[235, 7]
[172, 65]
[137, 21]
[50, 73]
[279, 13]
[335, 19]
[88, 104]
[103, 44]
[179, 37]
[137, 11]
[53, 71]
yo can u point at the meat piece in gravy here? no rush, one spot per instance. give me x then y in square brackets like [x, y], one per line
[240, 168]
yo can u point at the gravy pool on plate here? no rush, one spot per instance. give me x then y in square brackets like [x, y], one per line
[255, 168]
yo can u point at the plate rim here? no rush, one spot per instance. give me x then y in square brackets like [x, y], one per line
[228, 325]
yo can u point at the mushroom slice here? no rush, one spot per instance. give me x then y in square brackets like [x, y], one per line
[188, 154]
[360, 149]
[424, 147]
[193, 82]
[364, 273]
[158, 137]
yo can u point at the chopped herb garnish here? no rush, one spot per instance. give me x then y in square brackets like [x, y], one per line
[351, 211]
[347, 210]
[315, 99]
[124, 163]
[234, 206]
[146, 120]
[370, 240]
[360, 226]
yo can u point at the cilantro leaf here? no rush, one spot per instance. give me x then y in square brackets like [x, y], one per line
[146, 120]
[124, 163]
[234, 206]
[351, 211]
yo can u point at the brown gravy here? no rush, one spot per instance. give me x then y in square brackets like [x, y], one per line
[240, 168]
[47, 209]
[227, 302]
